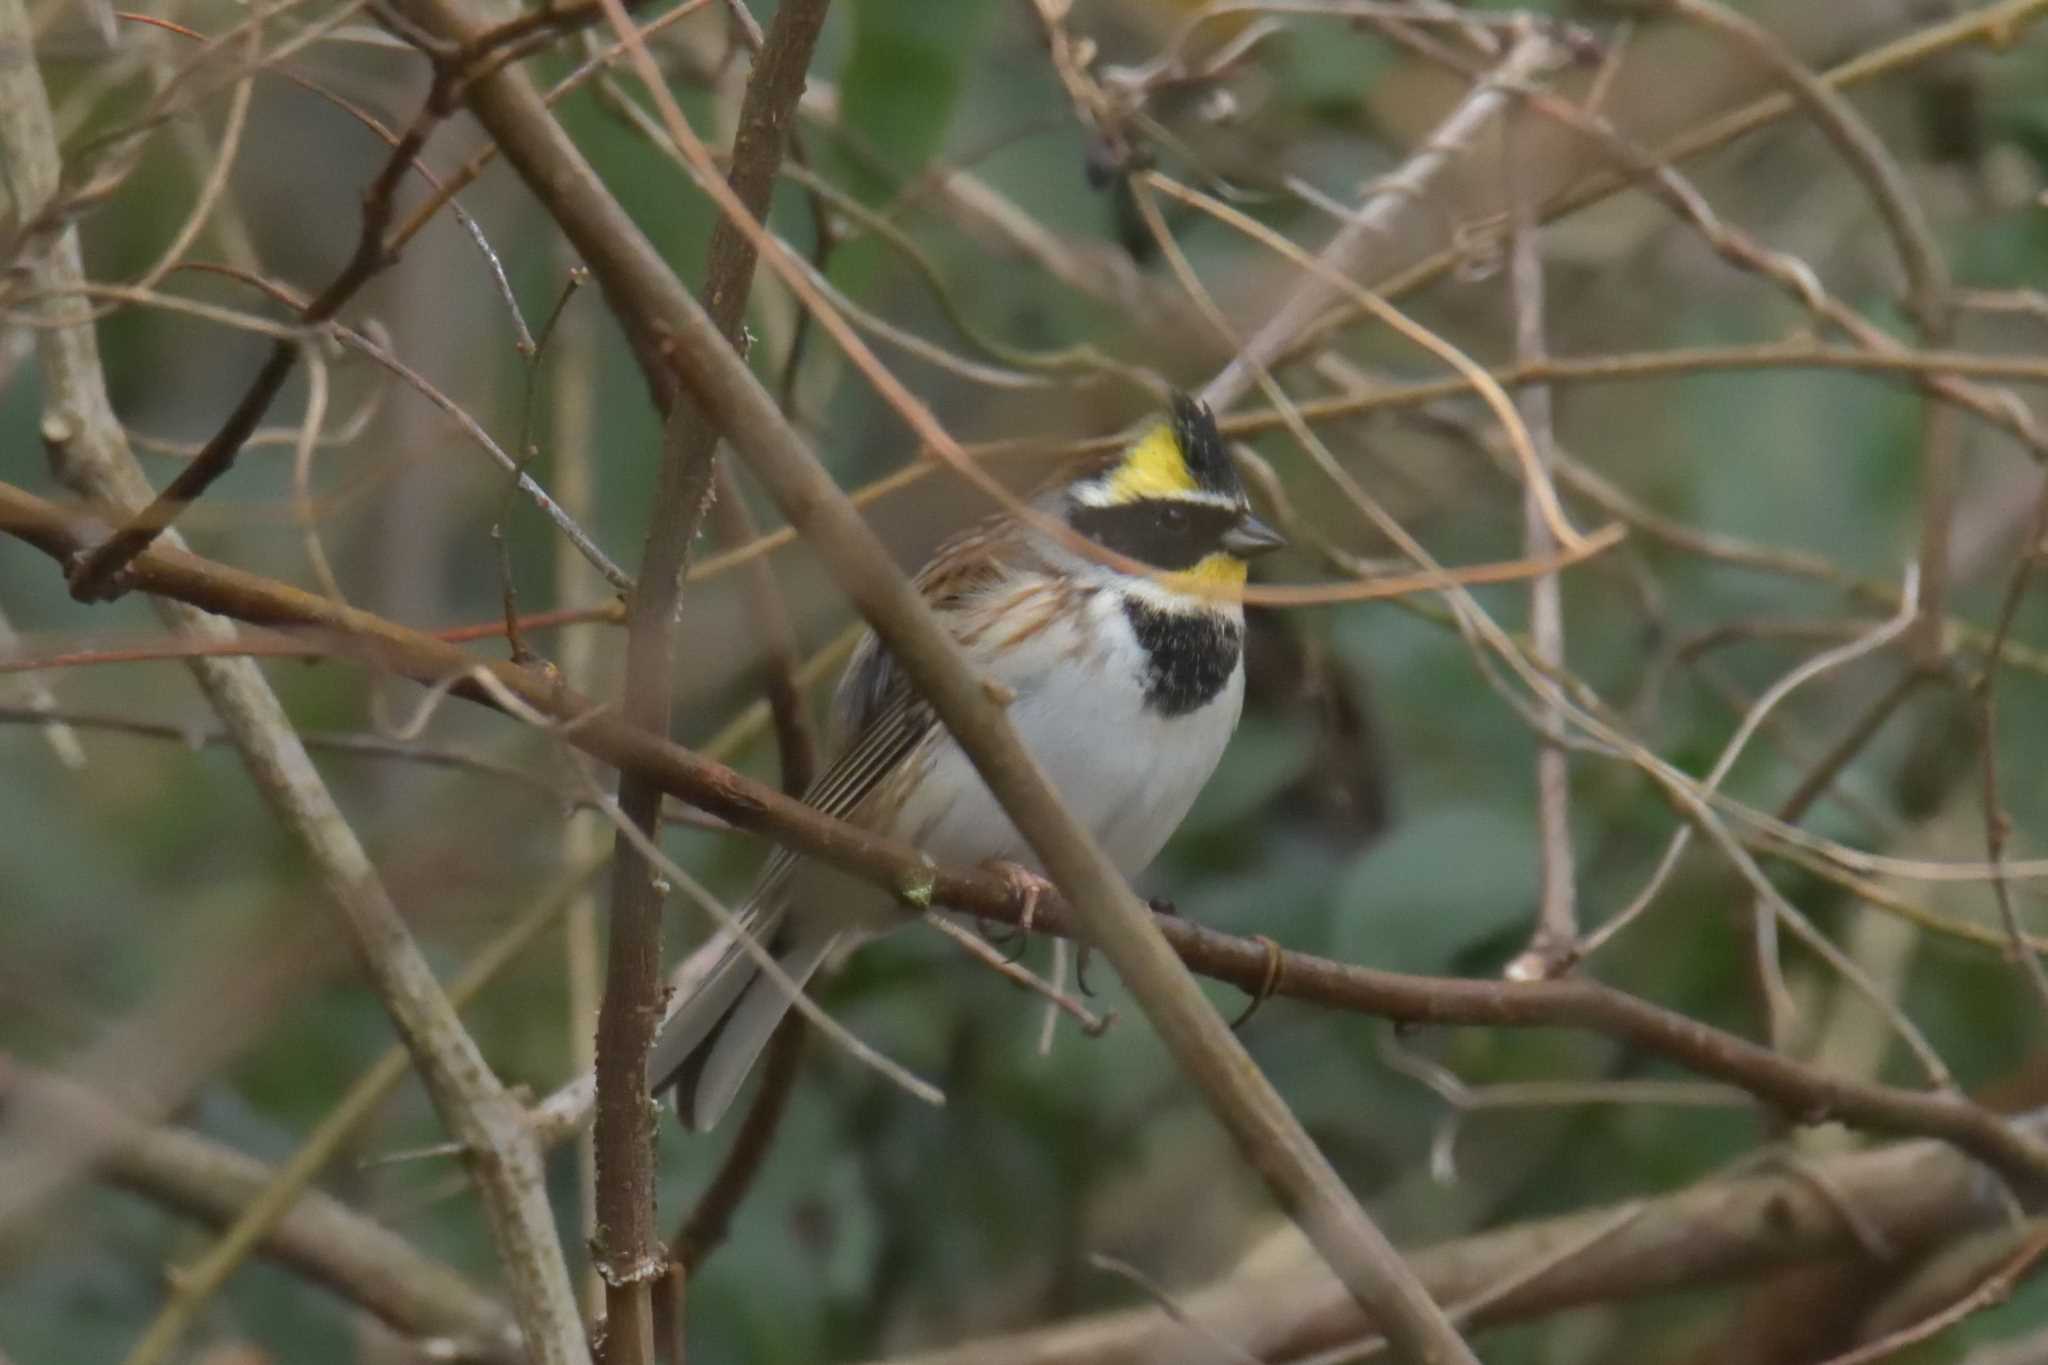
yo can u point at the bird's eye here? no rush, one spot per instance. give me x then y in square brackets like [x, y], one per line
[1173, 516]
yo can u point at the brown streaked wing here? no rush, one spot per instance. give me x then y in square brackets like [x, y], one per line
[880, 718]
[888, 742]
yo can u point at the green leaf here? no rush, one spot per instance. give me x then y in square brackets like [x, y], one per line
[1447, 880]
[902, 80]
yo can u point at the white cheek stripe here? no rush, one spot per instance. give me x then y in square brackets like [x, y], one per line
[1098, 493]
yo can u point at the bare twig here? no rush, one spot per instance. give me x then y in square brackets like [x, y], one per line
[1927, 279]
[1995, 1289]
[1280, 1307]
[1997, 825]
[89, 449]
[94, 577]
[1796, 278]
[1995, 24]
[572, 429]
[1557, 917]
[318, 1235]
[670, 330]
[1806, 672]
[1154, 1291]
[1801, 1091]
[197, 1281]
[62, 739]
[1348, 252]
[1462, 1099]
[533, 351]
[631, 1007]
[796, 739]
[983, 952]
[349, 742]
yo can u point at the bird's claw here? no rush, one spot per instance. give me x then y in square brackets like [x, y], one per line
[1027, 886]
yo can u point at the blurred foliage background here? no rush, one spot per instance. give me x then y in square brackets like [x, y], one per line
[1378, 805]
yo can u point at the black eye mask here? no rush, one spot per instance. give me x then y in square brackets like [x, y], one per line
[1167, 533]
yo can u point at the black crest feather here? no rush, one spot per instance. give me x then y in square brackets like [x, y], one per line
[1201, 445]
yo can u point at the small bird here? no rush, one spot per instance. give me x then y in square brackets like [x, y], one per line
[1124, 686]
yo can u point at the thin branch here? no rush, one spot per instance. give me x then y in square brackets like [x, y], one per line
[357, 743]
[534, 351]
[1280, 1306]
[195, 1282]
[1461, 1099]
[978, 948]
[90, 451]
[1927, 280]
[369, 345]
[42, 701]
[1996, 1288]
[213, 185]
[1996, 24]
[1802, 1092]
[1392, 196]
[1997, 825]
[1152, 1290]
[1794, 276]
[572, 433]
[781, 666]
[94, 578]
[632, 1001]
[1826, 661]
[318, 1236]
[1557, 917]
[672, 335]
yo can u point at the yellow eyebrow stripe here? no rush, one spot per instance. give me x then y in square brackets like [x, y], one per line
[1154, 468]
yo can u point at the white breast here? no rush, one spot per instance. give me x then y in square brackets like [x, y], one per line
[1126, 772]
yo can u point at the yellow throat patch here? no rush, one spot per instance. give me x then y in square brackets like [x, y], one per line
[1153, 468]
[1212, 576]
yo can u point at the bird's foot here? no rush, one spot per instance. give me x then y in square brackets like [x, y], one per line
[1027, 886]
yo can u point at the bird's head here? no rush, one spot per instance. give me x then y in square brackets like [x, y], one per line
[1172, 499]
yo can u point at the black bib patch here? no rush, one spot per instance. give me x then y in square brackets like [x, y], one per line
[1189, 655]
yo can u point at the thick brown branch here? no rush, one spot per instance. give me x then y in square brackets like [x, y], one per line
[1803, 1093]
[632, 997]
[321, 1238]
[1914, 1196]
[674, 337]
[89, 450]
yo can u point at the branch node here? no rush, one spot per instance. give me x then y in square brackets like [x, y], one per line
[916, 890]
[638, 1270]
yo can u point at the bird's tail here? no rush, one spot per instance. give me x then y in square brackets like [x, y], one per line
[706, 1048]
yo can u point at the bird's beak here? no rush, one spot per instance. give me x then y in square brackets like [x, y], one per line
[1252, 537]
